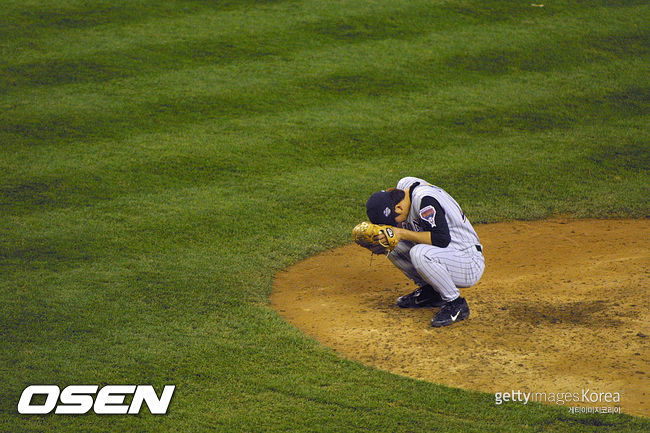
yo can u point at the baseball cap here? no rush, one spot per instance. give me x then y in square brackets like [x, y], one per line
[381, 209]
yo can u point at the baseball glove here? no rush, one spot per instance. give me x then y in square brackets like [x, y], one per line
[366, 234]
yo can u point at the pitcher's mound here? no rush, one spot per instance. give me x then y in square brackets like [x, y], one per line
[562, 307]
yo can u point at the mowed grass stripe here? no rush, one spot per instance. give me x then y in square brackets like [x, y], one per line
[148, 115]
[623, 155]
[461, 39]
[351, 22]
[528, 95]
[256, 27]
[21, 21]
[221, 45]
[79, 26]
[427, 58]
[322, 144]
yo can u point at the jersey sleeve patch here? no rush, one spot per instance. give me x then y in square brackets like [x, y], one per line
[428, 214]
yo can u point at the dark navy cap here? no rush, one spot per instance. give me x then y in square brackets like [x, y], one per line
[381, 209]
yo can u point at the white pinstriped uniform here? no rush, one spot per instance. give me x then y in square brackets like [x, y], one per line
[460, 264]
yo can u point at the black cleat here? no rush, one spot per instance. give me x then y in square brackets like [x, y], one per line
[423, 297]
[451, 312]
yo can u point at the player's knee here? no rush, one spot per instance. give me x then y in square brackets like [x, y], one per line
[417, 254]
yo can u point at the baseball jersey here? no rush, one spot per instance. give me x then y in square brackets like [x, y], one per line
[434, 210]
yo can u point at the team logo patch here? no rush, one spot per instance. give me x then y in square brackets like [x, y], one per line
[428, 214]
[387, 212]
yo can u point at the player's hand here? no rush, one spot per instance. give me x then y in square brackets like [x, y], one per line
[380, 239]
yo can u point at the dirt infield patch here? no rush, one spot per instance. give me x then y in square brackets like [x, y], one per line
[562, 307]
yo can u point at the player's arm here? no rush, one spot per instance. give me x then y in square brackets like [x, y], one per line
[417, 237]
[433, 220]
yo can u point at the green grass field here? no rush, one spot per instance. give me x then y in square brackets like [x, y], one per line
[162, 160]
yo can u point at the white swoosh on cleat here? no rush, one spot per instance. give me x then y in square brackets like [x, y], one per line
[454, 317]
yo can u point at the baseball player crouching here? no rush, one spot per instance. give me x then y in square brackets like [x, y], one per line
[436, 247]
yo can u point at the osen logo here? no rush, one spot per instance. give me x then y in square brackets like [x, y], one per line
[80, 399]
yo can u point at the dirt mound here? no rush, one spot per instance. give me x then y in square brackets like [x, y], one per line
[562, 307]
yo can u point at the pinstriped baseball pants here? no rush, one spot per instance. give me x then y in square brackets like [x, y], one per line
[445, 269]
